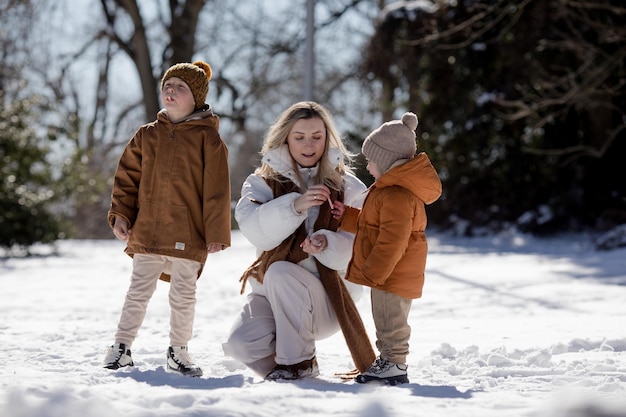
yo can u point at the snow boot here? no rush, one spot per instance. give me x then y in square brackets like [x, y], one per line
[178, 361]
[384, 371]
[304, 369]
[118, 356]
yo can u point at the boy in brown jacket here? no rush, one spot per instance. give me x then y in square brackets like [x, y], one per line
[171, 204]
[389, 253]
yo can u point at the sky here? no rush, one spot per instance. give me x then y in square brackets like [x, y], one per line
[508, 325]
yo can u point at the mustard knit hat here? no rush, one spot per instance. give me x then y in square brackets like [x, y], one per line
[391, 142]
[196, 76]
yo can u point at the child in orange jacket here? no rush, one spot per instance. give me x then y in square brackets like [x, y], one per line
[390, 248]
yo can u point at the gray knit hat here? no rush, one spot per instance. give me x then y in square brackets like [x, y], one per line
[391, 142]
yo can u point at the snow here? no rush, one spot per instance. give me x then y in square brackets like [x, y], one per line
[406, 9]
[508, 326]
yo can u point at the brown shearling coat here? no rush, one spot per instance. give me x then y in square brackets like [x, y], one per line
[390, 245]
[172, 186]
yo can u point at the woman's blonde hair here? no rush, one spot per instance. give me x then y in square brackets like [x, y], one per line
[327, 174]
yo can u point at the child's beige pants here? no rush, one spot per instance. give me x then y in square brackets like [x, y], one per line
[147, 269]
[391, 313]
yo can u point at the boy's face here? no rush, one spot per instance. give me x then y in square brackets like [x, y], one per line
[177, 99]
[307, 141]
[373, 169]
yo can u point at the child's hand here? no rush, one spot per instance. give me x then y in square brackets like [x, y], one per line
[214, 247]
[120, 229]
[338, 209]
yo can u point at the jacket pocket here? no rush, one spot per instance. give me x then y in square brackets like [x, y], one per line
[163, 226]
[174, 226]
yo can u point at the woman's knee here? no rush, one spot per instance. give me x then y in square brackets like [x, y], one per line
[235, 346]
[247, 347]
[252, 335]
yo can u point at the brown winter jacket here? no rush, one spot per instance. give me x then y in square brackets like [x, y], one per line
[390, 245]
[172, 186]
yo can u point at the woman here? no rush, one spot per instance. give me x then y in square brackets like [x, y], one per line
[286, 211]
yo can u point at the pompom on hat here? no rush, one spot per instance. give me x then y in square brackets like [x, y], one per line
[196, 76]
[391, 142]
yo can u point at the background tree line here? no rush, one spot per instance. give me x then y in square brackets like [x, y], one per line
[521, 103]
[523, 106]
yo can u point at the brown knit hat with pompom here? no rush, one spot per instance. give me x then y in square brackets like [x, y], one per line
[196, 76]
[391, 142]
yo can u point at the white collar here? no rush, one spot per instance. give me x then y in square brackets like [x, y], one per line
[280, 160]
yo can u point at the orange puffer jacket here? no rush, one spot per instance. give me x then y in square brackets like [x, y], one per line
[390, 245]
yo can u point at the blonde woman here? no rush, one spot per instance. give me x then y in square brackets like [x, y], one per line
[297, 292]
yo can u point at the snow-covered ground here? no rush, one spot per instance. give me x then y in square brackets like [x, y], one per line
[508, 326]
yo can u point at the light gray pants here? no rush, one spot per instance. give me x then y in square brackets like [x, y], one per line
[391, 314]
[282, 320]
[182, 296]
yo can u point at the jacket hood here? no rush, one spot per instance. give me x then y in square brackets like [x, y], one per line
[417, 175]
[200, 114]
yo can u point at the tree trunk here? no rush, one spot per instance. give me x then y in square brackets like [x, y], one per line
[182, 31]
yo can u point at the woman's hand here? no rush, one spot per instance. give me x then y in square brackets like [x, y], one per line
[314, 244]
[314, 196]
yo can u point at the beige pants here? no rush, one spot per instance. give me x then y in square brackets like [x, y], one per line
[182, 296]
[391, 313]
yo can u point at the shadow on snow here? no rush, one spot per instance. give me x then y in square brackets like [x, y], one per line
[159, 377]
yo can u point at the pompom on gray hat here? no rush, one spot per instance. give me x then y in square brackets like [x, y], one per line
[391, 142]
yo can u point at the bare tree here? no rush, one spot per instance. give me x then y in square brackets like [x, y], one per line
[520, 95]
[588, 46]
[179, 26]
[594, 44]
[256, 54]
